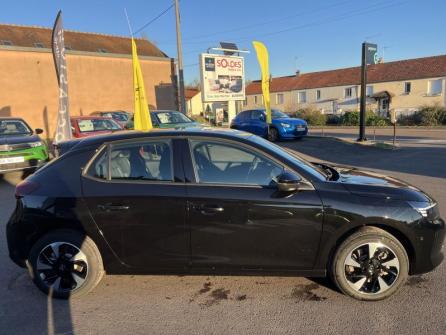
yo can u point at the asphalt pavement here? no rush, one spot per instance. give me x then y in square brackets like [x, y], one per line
[241, 304]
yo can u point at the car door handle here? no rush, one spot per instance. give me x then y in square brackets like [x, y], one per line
[111, 207]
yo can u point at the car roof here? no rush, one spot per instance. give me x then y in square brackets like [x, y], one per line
[181, 132]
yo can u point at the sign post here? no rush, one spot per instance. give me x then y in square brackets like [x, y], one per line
[369, 56]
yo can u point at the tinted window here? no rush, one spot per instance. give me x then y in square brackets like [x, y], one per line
[142, 161]
[172, 117]
[257, 115]
[243, 116]
[226, 163]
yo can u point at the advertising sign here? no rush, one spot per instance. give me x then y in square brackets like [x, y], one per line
[222, 78]
[371, 54]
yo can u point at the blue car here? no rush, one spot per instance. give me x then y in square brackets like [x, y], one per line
[282, 126]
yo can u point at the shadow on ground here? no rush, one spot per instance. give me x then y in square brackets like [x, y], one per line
[420, 160]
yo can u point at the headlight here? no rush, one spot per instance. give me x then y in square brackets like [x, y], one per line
[285, 125]
[422, 207]
[35, 144]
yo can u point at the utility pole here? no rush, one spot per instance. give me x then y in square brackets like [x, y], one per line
[182, 99]
[362, 107]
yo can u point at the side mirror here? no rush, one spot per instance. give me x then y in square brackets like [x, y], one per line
[288, 182]
[38, 131]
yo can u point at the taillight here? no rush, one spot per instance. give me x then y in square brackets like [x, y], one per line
[25, 187]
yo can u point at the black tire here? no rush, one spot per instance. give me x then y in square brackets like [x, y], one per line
[89, 269]
[273, 135]
[361, 280]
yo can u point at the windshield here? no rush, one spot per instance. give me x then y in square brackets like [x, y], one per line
[288, 154]
[172, 117]
[90, 125]
[123, 117]
[276, 114]
[14, 127]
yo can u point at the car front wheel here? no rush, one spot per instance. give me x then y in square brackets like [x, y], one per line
[65, 263]
[273, 135]
[371, 264]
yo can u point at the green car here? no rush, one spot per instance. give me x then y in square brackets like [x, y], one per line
[20, 147]
[167, 119]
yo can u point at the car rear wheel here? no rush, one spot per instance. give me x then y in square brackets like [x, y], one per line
[273, 134]
[371, 264]
[65, 263]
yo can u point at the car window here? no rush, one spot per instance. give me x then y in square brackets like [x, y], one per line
[150, 160]
[90, 125]
[13, 127]
[243, 116]
[225, 163]
[99, 168]
[257, 115]
[172, 117]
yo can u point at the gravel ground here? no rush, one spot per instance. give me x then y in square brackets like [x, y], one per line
[242, 304]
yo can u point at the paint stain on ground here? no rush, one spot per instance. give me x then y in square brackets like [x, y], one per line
[417, 281]
[240, 297]
[206, 288]
[216, 296]
[306, 293]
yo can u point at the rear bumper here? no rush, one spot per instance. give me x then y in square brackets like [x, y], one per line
[33, 158]
[30, 164]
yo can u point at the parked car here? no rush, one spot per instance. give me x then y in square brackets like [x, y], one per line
[121, 117]
[83, 126]
[167, 119]
[282, 126]
[21, 148]
[207, 200]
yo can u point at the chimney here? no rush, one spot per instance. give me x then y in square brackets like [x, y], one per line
[297, 73]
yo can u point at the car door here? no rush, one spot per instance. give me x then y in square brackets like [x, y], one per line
[258, 123]
[237, 217]
[136, 194]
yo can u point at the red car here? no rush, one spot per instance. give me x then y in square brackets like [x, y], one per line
[83, 126]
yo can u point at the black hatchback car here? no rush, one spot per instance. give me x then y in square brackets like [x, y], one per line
[217, 201]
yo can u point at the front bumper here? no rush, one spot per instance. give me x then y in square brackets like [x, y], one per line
[290, 133]
[428, 247]
[33, 158]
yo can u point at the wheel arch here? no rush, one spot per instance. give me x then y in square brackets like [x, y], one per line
[398, 234]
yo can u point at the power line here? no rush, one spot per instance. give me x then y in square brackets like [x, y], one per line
[155, 18]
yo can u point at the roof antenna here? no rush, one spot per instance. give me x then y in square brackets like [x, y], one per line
[128, 22]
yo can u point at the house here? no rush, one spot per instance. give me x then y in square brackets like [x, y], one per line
[100, 76]
[403, 86]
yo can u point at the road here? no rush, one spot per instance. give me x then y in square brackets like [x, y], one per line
[242, 304]
[403, 135]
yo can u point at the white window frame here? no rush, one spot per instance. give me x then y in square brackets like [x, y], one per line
[348, 89]
[255, 99]
[430, 84]
[369, 91]
[299, 100]
[318, 95]
[280, 98]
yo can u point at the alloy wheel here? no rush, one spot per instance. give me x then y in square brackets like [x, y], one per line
[62, 266]
[371, 268]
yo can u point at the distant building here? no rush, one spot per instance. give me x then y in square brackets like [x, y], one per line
[99, 74]
[402, 85]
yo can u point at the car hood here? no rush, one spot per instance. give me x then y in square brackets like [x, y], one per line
[375, 185]
[290, 120]
[12, 139]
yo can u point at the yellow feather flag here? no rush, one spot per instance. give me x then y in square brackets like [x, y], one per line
[142, 120]
[262, 57]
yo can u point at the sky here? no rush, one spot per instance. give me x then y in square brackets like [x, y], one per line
[308, 35]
